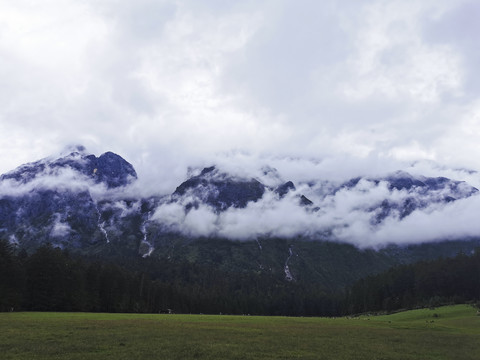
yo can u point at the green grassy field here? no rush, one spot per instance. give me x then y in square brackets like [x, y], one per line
[451, 332]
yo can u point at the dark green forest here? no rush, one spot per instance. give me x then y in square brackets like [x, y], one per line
[422, 284]
[51, 279]
[54, 280]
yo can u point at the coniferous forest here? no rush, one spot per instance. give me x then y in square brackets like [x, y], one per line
[54, 280]
[423, 284]
[51, 279]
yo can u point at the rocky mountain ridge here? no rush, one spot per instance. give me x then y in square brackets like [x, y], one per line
[51, 200]
[109, 168]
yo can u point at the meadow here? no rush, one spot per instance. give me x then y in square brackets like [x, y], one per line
[451, 332]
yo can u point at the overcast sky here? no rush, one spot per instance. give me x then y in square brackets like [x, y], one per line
[168, 84]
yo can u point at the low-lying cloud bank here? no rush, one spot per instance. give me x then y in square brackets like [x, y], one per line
[369, 214]
[341, 217]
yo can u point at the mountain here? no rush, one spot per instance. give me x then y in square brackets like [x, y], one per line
[109, 168]
[217, 219]
[219, 190]
[50, 200]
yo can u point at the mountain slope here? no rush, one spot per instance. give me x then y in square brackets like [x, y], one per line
[290, 231]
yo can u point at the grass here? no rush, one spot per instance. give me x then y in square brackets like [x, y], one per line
[451, 332]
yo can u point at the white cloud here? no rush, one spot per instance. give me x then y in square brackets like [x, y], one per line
[455, 221]
[350, 214]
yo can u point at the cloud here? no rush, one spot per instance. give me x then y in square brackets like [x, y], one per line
[63, 179]
[393, 60]
[316, 90]
[369, 214]
[169, 85]
[59, 228]
[451, 222]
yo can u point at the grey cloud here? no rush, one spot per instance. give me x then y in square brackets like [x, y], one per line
[458, 28]
[327, 90]
[163, 80]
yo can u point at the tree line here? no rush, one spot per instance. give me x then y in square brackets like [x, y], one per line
[51, 279]
[422, 284]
